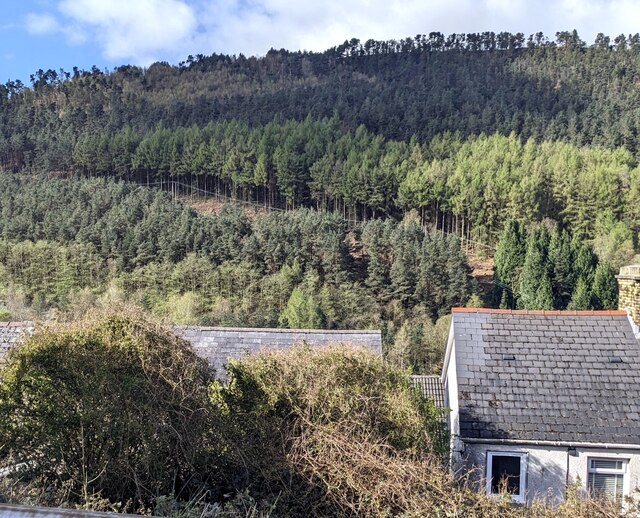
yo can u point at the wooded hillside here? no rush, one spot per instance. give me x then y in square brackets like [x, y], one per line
[526, 145]
[470, 129]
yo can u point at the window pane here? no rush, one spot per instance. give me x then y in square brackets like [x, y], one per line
[606, 464]
[608, 486]
[505, 470]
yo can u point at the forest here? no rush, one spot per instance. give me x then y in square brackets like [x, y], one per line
[68, 245]
[374, 167]
[471, 130]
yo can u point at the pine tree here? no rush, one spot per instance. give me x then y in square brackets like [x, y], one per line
[458, 274]
[301, 312]
[508, 261]
[583, 261]
[377, 275]
[581, 297]
[561, 266]
[535, 272]
[544, 295]
[605, 287]
[402, 281]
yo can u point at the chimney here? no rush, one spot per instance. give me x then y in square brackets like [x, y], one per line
[629, 291]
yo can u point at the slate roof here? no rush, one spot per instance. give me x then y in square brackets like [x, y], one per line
[430, 387]
[10, 334]
[548, 376]
[218, 344]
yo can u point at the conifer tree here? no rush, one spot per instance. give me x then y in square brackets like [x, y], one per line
[377, 275]
[508, 262]
[301, 312]
[583, 261]
[605, 287]
[581, 297]
[544, 294]
[561, 267]
[458, 274]
[403, 281]
[534, 271]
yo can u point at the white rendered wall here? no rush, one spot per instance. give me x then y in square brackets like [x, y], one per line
[547, 468]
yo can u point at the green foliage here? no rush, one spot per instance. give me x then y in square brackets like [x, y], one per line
[114, 408]
[420, 344]
[605, 287]
[508, 260]
[581, 298]
[561, 258]
[489, 160]
[302, 268]
[535, 288]
[301, 312]
[613, 242]
[293, 411]
[549, 274]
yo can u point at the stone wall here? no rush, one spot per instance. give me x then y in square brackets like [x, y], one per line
[629, 291]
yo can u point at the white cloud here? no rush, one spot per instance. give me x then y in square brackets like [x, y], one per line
[46, 24]
[41, 24]
[142, 31]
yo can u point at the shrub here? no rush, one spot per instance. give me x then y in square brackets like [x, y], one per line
[327, 431]
[113, 408]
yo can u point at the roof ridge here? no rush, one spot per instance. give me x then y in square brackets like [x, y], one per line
[604, 312]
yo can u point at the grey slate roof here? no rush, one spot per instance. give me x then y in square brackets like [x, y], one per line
[430, 387]
[10, 334]
[217, 344]
[547, 376]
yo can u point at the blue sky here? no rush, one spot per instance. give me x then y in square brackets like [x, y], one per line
[62, 33]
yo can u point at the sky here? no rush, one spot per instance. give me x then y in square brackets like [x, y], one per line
[57, 34]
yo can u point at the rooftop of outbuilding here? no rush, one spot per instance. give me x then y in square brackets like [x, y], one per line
[218, 344]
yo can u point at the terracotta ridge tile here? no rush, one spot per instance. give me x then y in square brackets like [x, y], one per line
[604, 312]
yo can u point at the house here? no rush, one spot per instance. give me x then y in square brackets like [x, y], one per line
[542, 400]
[218, 344]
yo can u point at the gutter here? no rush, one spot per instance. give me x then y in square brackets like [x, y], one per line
[557, 444]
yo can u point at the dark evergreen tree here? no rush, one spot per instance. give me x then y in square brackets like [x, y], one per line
[534, 278]
[561, 267]
[508, 262]
[605, 287]
[581, 297]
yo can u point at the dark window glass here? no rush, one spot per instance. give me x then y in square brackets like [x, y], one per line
[505, 470]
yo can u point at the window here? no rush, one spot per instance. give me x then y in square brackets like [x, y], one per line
[507, 471]
[606, 478]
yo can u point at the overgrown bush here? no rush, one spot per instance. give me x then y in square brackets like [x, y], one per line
[334, 431]
[113, 408]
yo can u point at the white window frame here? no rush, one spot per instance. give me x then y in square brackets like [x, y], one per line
[520, 497]
[606, 471]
